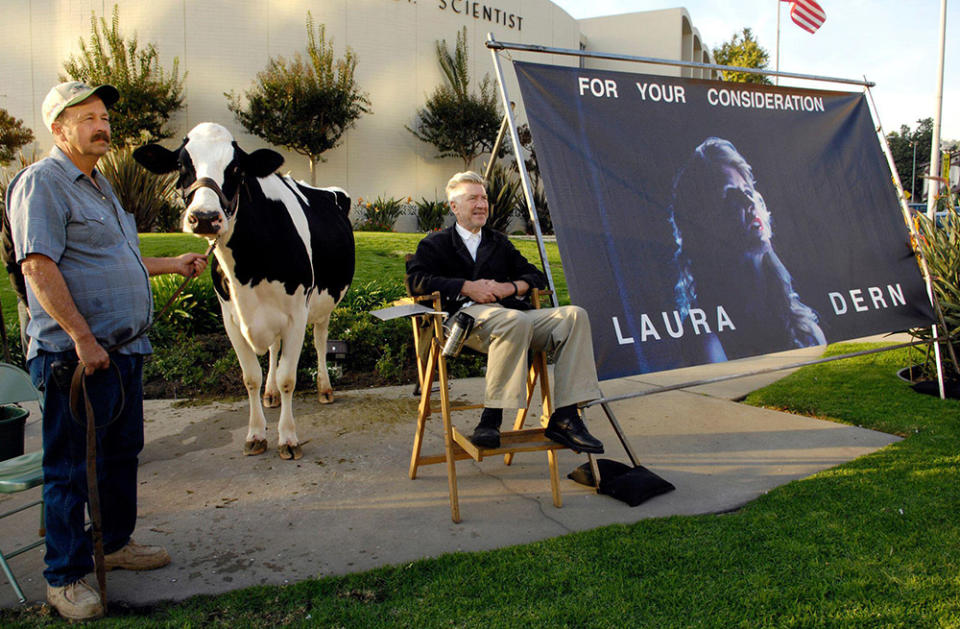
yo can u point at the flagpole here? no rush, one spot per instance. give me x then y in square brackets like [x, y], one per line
[932, 183]
[777, 78]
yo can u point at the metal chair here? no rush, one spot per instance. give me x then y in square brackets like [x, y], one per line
[22, 472]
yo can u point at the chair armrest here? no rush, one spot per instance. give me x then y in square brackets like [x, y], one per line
[536, 294]
[417, 299]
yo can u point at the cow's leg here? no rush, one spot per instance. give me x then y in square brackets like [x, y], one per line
[256, 441]
[324, 388]
[271, 394]
[292, 342]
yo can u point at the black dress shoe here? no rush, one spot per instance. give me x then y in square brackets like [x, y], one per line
[485, 437]
[569, 430]
[487, 432]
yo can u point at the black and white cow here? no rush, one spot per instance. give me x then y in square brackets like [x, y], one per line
[284, 257]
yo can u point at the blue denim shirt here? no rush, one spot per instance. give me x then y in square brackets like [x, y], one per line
[57, 211]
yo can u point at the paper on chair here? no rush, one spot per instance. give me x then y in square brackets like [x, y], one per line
[407, 310]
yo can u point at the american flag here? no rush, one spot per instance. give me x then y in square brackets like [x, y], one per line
[807, 14]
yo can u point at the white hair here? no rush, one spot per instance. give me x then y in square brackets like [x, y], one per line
[460, 178]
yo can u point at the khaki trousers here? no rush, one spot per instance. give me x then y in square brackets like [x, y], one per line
[506, 336]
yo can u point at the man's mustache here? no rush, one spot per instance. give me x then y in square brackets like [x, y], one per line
[101, 135]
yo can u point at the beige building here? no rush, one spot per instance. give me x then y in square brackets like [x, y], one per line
[222, 44]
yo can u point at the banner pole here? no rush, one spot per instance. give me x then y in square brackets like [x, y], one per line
[933, 185]
[522, 169]
[617, 429]
[493, 44]
[496, 148]
[924, 268]
[747, 374]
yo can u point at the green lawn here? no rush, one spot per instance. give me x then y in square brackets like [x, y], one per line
[872, 543]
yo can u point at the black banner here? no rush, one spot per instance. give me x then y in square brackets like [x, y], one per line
[702, 221]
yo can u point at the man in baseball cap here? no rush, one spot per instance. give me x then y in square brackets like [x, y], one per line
[73, 93]
[88, 290]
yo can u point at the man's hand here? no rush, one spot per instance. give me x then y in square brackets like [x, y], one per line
[191, 264]
[488, 291]
[187, 264]
[479, 291]
[92, 354]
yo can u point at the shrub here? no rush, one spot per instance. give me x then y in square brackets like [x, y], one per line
[15, 350]
[6, 247]
[543, 213]
[457, 122]
[192, 355]
[152, 199]
[382, 347]
[196, 310]
[381, 214]
[148, 94]
[431, 214]
[940, 246]
[189, 365]
[13, 135]
[503, 191]
[370, 296]
[539, 196]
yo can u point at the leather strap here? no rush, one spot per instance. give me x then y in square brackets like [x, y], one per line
[227, 205]
[79, 383]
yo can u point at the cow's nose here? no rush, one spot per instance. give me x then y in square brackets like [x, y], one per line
[204, 222]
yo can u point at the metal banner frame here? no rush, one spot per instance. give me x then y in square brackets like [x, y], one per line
[509, 125]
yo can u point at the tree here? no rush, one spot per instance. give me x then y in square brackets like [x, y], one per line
[458, 123]
[304, 105]
[743, 51]
[148, 95]
[13, 135]
[902, 144]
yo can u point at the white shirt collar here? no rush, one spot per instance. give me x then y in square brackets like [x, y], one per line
[470, 240]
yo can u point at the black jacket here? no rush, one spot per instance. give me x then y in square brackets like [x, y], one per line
[442, 263]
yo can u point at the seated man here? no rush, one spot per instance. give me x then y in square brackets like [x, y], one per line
[478, 270]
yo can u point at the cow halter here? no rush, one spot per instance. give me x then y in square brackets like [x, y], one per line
[229, 206]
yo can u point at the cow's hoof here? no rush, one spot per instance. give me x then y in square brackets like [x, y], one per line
[288, 451]
[271, 400]
[254, 447]
[325, 397]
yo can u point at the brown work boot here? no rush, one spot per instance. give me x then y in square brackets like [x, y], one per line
[76, 601]
[133, 556]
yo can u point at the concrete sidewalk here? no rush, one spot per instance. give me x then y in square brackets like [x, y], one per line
[231, 521]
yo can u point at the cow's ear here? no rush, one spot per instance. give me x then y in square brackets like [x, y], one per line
[263, 162]
[156, 159]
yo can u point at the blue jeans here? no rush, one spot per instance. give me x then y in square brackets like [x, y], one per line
[69, 554]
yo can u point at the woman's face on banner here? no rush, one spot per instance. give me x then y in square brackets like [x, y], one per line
[742, 204]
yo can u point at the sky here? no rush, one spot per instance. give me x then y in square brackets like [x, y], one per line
[893, 43]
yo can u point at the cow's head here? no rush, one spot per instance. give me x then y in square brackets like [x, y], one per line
[212, 173]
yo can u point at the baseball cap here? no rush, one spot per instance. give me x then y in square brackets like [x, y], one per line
[72, 93]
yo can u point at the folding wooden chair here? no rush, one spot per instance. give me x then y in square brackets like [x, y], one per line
[429, 337]
[22, 472]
